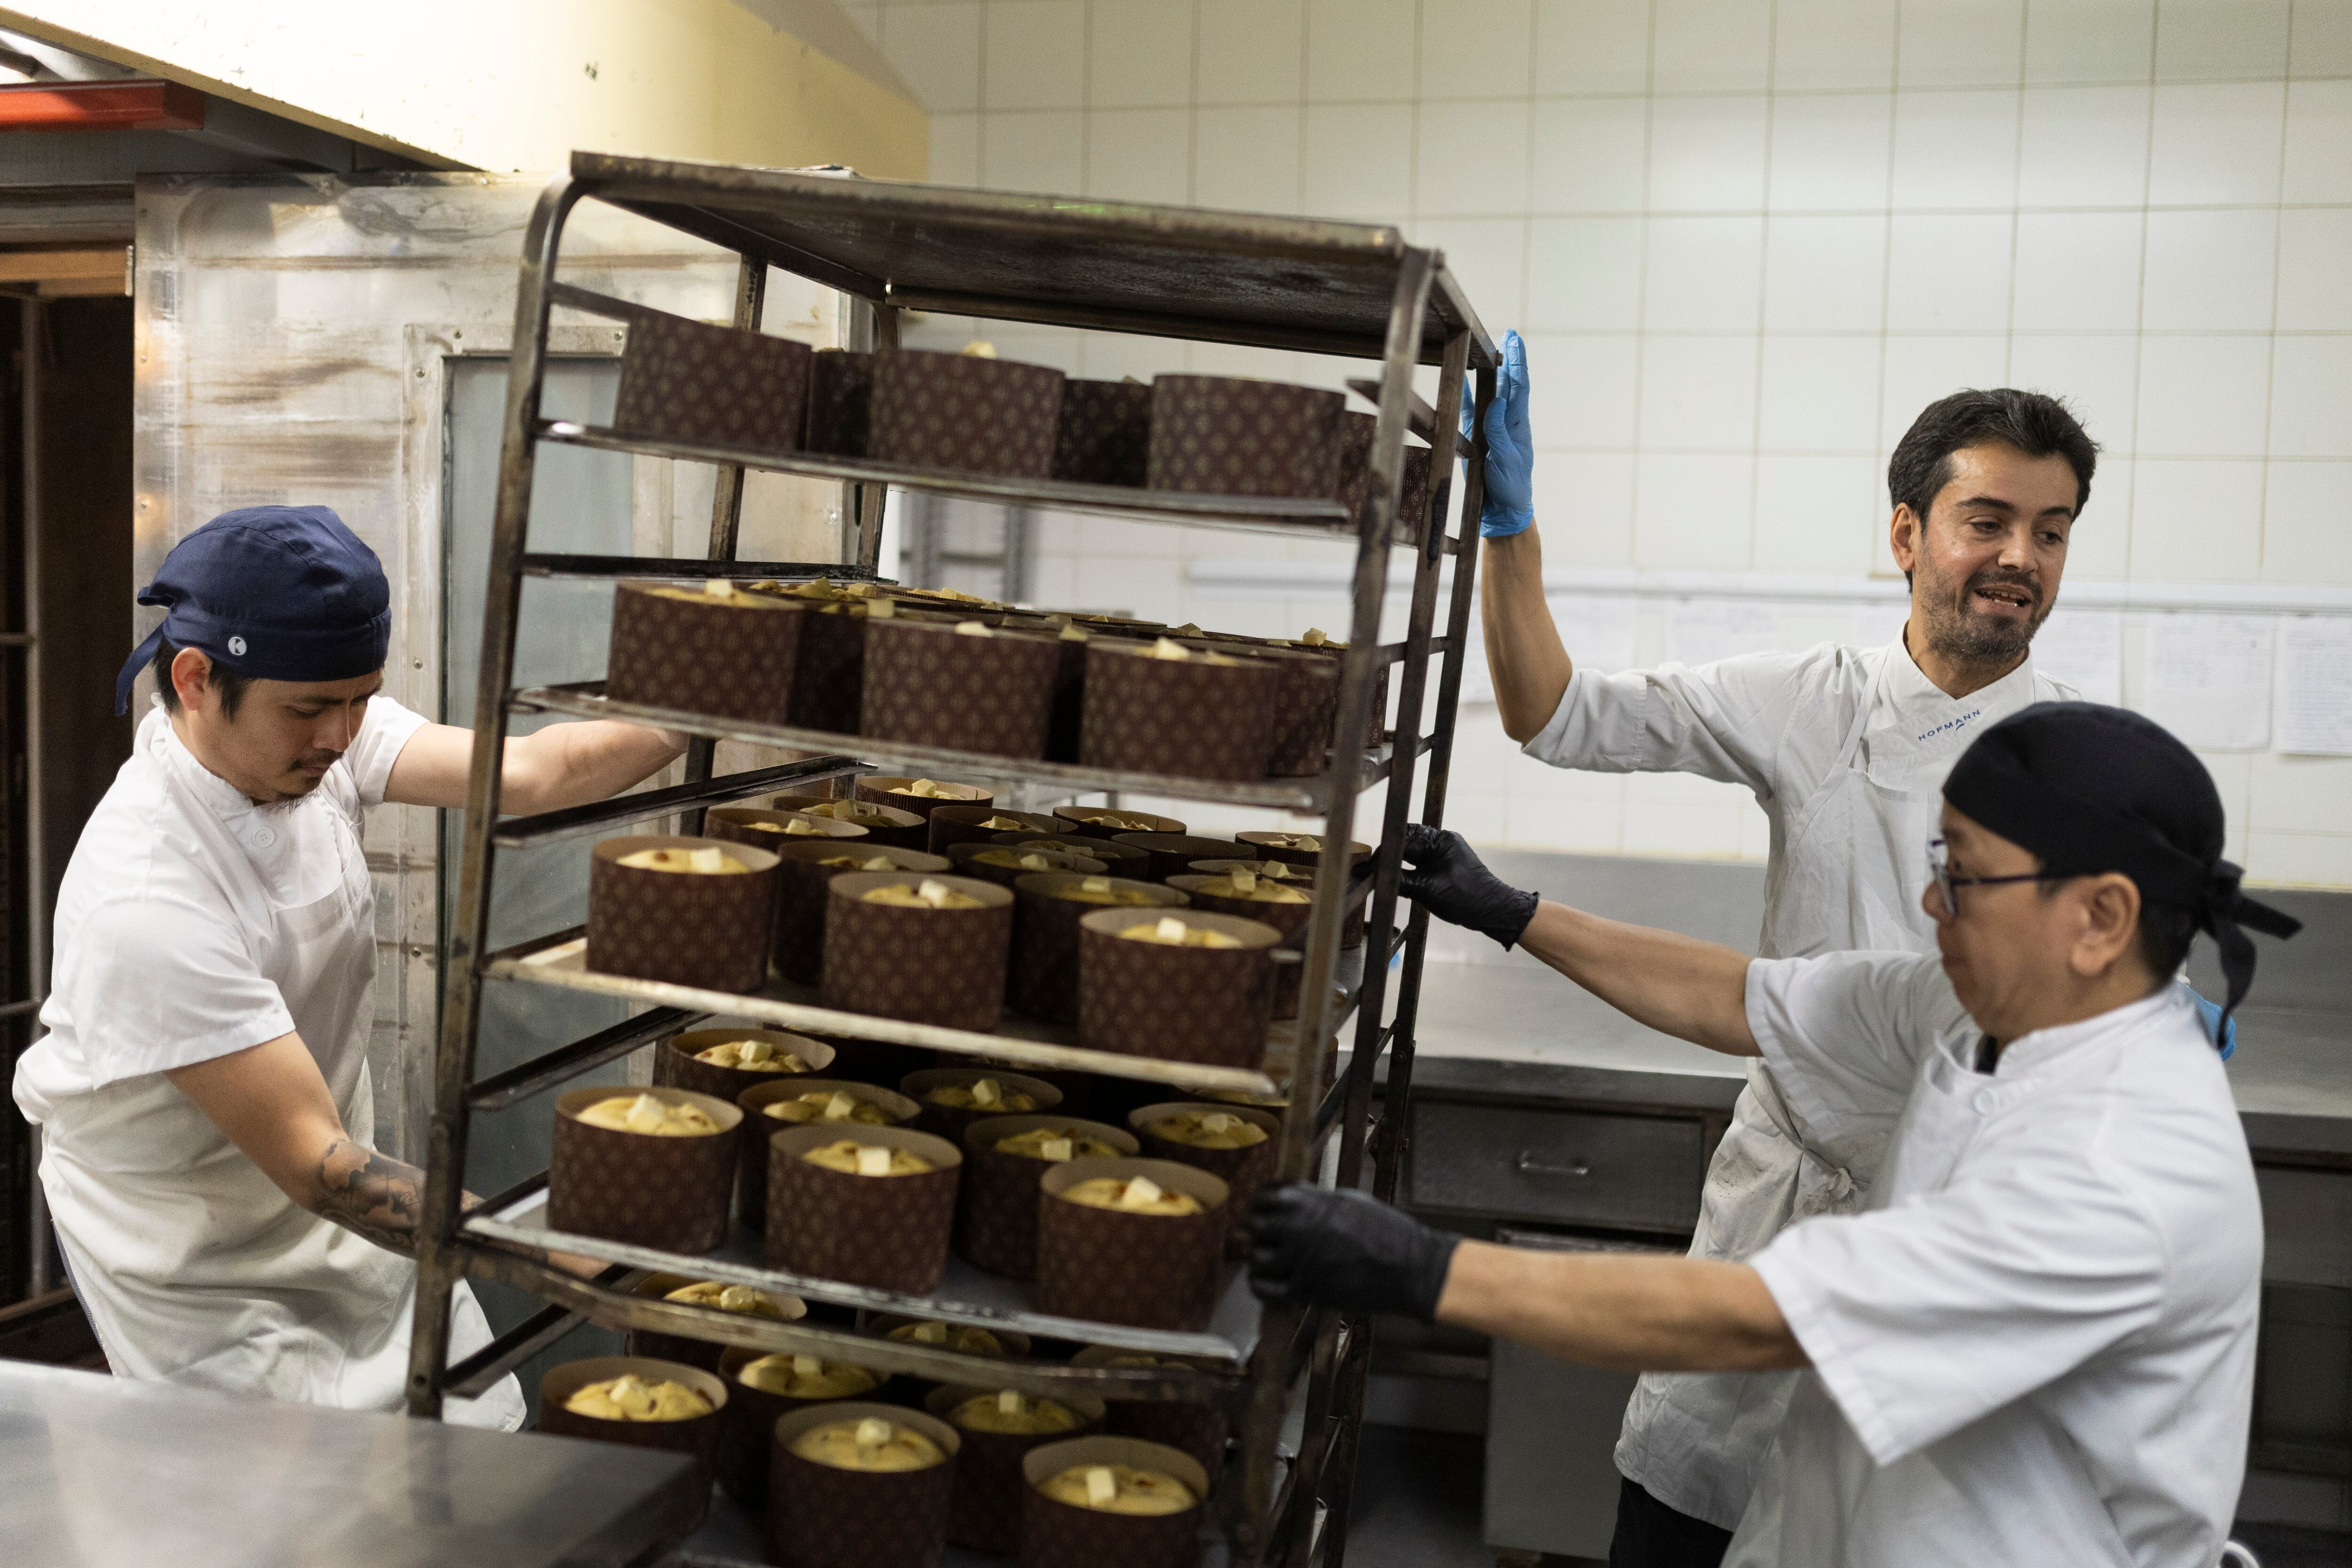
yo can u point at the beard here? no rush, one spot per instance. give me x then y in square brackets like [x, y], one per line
[1972, 636]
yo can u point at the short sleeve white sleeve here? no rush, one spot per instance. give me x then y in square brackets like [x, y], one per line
[1844, 1032]
[383, 733]
[1721, 721]
[156, 982]
[1924, 1316]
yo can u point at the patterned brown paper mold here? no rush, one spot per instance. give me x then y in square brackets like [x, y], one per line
[759, 1128]
[1172, 854]
[1043, 978]
[1121, 859]
[985, 1514]
[1206, 1004]
[996, 1212]
[1290, 919]
[943, 967]
[1356, 474]
[823, 1517]
[952, 825]
[747, 1431]
[1185, 718]
[829, 676]
[1192, 1428]
[950, 1121]
[927, 684]
[880, 1062]
[668, 1193]
[1106, 432]
[1232, 436]
[1262, 846]
[891, 825]
[1146, 1271]
[801, 878]
[840, 402]
[728, 658]
[967, 861]
[884, 790]
[964, 412]
[697, 1436]
[675, 1065]
[751, 824]
[1062, 1535]
[912, 1391]
[688, 381]
[1086, 822]
[1307, 706]
[702, 1353]
[1067, 726]
[887, 1233]
[684, 927]
[1076, 1087]
[1243, 1171]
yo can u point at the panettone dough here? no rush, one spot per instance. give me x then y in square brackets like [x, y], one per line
[805, 1377]
[1290, 842]
[752, 1056]
[863, 815]
[1099, 889]
[647, 1114]
[1249, 885]
[1208, 1130]
[1131, 1195]
[728, 1299]
[791, 827]
[828, 1105]
[933, 790]
[1118, 1489]
[1055, 1144]
[982, 1094]
[714, 590]
[697, 862]
[1016, 1414]
[924, 894]
[854, 1158]
[1177, 654]
[1245, 1097]
[967, 1339]
[629, 1397]
[1119, 822]
[851, 863]
[872, 1444]
[1012, 859]
[1170, 932]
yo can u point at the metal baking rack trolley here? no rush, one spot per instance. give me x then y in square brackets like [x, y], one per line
[1343, 289]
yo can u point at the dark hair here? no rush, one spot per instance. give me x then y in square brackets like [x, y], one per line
[231, 685]
[2035, 424]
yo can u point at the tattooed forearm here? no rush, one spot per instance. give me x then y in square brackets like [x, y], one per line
[370, 1193]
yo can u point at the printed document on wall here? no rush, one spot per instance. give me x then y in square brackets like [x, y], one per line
[2209, 679]
[2315, 686]
[2084, 648]
[1598, 631]
[1701, 631]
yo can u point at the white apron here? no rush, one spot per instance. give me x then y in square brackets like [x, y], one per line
[1849, 877]
[193, 1266]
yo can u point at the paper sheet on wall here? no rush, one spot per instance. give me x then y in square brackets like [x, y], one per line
[1701, 631]
[1598, 631]
[1875, 624]
[2209, 679]
[2315, 686]
[2084, 648]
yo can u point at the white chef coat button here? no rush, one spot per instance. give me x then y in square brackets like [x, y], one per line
[1985, 1102]
[262, 839]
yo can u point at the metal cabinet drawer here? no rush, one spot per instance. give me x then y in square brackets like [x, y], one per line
[1561, 1167]
[2306, 1225]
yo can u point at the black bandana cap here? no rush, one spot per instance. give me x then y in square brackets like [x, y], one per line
[278, 593]
[2091, 788]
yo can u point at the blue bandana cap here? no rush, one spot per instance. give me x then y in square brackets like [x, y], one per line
[277, 593]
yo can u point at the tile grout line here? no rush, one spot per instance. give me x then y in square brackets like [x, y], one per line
[2139, 303]
[1763, 279]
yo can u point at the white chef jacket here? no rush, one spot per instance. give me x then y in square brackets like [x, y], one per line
[2037, 1346]
[1846, 751]
[193, 924]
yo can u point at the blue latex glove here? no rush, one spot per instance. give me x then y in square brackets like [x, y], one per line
[1510, 497]
[2224, 1036]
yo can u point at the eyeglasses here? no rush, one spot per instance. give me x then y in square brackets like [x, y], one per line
[1939, 871]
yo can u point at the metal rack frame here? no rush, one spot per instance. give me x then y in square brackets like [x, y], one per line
[1281, 283]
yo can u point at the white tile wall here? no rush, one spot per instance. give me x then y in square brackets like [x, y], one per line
[1747, 243]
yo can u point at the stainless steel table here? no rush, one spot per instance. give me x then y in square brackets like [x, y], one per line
[102, 1472]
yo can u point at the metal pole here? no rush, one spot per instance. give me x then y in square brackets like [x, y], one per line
[438, 1263]
[35, 342]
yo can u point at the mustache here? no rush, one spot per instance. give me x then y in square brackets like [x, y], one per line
[319, 760]
[2025, 582]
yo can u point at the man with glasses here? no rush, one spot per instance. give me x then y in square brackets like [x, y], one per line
[1844, 748]
[2036, 1345]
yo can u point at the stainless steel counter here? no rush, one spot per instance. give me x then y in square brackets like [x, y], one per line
[102, 1472]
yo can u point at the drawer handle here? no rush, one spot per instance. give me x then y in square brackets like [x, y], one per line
[1527, 1165]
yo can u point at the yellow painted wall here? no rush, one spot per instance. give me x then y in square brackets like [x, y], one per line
[520, 84]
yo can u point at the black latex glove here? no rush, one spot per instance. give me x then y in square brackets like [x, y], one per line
[1444, 875]
[1345, 1250]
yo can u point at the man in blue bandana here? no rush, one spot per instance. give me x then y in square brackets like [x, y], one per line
[202, 1086]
